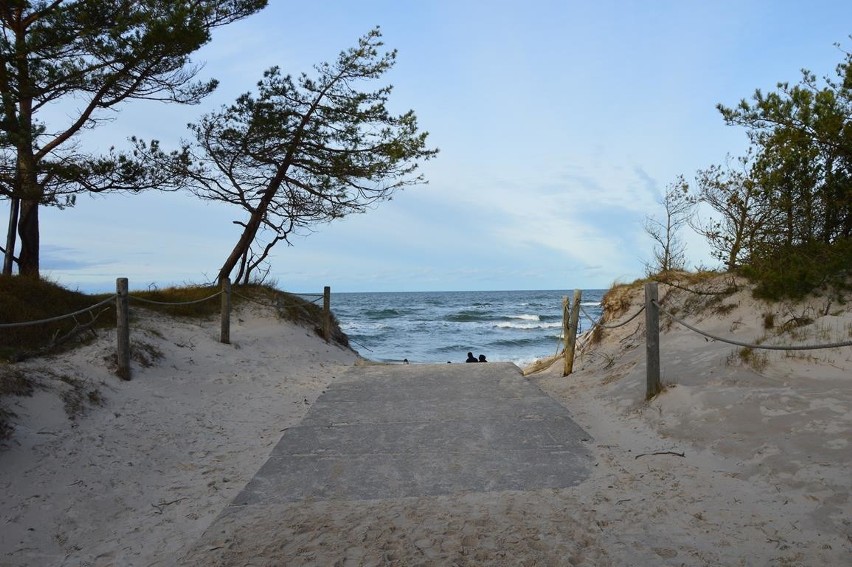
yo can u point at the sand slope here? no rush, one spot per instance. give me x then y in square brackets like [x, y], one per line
[766, 474]
[136, 480]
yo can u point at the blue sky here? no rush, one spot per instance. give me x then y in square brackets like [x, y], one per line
[559, 125]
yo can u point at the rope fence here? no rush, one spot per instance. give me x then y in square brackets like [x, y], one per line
[316, 296]
[751, 345]
[192, 302]
[602, 326]
[122, 299]
[58, 317]
[732, 288]
[652, 310]
[252, 300]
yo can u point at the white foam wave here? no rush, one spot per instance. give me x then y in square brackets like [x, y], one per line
[526, 317]
[510, 325]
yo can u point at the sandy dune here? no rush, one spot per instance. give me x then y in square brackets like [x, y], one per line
[743, 460]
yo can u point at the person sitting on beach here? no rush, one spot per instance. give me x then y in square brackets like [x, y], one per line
[482, 358]
[471, 358]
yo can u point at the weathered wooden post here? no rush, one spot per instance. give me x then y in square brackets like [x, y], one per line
[571, 338]
[566, 316]
[652, 341]
[326, 313]
[122, 327]
[225, 315]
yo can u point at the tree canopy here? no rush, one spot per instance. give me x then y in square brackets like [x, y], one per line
[803, 162]
[91, 55]
[787, 217]
[306, 150]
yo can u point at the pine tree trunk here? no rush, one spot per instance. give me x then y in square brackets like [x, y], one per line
[243, 244]
[257, 215]
[28, 230]
[31, 193]
[11, 236]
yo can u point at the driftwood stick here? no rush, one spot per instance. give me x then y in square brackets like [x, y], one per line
[163, 504]
[662, 453]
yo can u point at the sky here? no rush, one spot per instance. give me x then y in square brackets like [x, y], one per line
[559, 125]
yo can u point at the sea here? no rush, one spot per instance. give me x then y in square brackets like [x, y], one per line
[441, 327]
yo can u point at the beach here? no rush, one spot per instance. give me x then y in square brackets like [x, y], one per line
[739, 461]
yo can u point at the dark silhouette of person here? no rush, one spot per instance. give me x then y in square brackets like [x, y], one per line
[482, 358]
[471, 358]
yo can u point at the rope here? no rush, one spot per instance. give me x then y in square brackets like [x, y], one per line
[151, 301]
[252, 300]
[360, 345]
[748, 345]
[601, 325]
[57, 318]
[281, 299]
[732, 288]
[314, 301]
[589, 317]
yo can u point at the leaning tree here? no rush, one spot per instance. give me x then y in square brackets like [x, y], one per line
[305, 151]
[89, 56]
[741, 215]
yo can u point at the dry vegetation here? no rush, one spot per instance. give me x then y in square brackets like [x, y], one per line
[26, 299]
[697, 296]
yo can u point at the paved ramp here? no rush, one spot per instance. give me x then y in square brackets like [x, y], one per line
[393, 431]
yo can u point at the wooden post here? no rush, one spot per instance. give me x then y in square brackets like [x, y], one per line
[571, 338]
[326, 313]
[566, 316]
[122, 327]
[652, 341]
[225, 315]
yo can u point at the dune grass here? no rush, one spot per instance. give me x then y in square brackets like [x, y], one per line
[25, 299]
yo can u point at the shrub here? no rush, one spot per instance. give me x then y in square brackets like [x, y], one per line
[794, 271]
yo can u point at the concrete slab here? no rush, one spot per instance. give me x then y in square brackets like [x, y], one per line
[423, 430]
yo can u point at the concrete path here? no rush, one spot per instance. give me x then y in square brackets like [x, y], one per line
[424, 430]
[392, 441]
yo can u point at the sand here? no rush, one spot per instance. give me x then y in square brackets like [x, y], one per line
[740, 461]
[136, 480]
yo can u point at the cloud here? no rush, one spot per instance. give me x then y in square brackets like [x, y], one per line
[64, 258]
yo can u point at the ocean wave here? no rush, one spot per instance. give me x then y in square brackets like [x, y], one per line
[387, 313]
[525, 317]
[527, 326]
[523, 362]
[365, 327]
[514, 343]
[469, 317]
[462, 350]
[441, 327]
